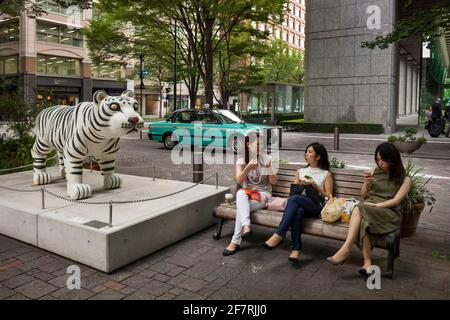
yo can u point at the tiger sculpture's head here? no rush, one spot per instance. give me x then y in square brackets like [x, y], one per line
[121, 112]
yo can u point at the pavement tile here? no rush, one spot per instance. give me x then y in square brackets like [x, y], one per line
[118, 275]
[36, 263]
[55, 266]
[162, 267]
[35, 289]
[108, 294]
[17, 297]
[5, 292]
[189, 295]
[166, 296]
[10, 265]
[192, 284]
[93, 280]
[140, 295]
[200, 270]
[148, 273]
[17, 281]
[181, 260]
[136, 281]
[176, 291]
[161, 277]
[30, 256]
[157, 288]
[113, 285]
[9, 273]
[44, 276]
[175, 271]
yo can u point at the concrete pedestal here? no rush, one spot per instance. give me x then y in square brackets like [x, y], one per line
[80, 231]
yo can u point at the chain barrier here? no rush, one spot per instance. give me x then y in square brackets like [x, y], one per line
[162, 168]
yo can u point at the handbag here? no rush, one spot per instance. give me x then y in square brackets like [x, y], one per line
[308, 191]
[276, 204]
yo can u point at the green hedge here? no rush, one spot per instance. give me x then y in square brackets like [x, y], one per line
[344, 127]
[279, 117]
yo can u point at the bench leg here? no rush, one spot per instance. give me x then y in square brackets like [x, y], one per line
[394, 252]
[218, 231]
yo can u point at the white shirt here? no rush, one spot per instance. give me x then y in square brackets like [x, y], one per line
[317, 174]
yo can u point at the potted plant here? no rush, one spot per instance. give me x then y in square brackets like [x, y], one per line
[417, 198]
[407, 143]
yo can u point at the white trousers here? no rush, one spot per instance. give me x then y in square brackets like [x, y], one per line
[243, 208]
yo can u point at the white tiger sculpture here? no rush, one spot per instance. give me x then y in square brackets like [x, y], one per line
[87, 129]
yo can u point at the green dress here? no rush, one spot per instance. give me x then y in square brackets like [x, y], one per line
[379, 221]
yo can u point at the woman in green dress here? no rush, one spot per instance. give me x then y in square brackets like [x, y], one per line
[383, 191]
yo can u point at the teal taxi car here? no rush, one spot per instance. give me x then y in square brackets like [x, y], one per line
[206, 127]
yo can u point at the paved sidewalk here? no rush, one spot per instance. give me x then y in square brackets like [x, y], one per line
[194, 268]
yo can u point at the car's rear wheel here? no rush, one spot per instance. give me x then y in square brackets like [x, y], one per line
[168, 141]
[236, 144]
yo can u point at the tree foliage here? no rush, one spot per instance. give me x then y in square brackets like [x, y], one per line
[283, 64]
[429, 23]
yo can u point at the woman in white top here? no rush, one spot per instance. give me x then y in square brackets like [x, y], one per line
[298, 207]
[255, 175]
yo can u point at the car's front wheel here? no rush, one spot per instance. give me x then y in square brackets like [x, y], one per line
[168, 141]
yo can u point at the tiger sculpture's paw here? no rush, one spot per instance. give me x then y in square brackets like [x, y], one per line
[112, 182]
[78, 191]
[40, 178]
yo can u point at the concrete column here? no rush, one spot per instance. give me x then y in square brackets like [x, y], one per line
[409, 82]
[402, 86]
[344, 82]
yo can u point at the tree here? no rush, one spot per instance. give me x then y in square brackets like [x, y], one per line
[14, 8]
[119, 31]
[428, 22]
[283, 64]
[235, 61]
[202, 27]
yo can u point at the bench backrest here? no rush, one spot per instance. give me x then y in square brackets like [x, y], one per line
[347, 182]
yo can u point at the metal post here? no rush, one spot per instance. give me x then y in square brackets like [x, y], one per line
[91, 163]
[43, 197]
[175, 67]
[154, 173]
[336, 138]
[110, 213]
[217, 180]
[280, 137]
[197, 165]
[141, 86]
[269, 140]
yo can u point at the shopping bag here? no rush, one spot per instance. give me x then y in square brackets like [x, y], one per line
[333, 210]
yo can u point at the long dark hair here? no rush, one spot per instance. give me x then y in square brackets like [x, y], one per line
[321, 151]
[251, 137]
[389, 153]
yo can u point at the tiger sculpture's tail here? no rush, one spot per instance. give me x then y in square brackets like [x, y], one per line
[87, 129]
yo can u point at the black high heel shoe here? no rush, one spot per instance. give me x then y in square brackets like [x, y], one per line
[265, 245]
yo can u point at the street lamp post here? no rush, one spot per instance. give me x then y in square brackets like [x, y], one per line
[175, 66]
[141, 76]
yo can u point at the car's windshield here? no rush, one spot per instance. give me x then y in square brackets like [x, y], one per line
[227, 116]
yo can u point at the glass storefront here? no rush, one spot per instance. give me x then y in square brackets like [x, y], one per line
[9, 31]
[59, 34]
[107, 70]
[9, 65]
[68, 96]
[285, 98]
[58, 65]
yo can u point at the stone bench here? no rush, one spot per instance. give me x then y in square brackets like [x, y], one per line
[347, 183]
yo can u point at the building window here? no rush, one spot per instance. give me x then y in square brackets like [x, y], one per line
[107, 70]
[59, 34]
[9, 32]
[61, 66]
[51, 6]
[9, 65]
